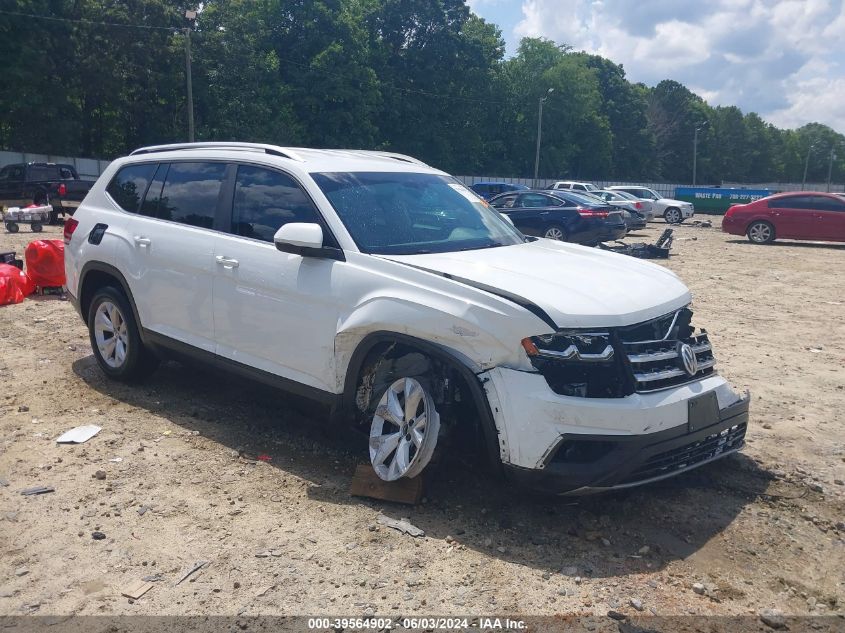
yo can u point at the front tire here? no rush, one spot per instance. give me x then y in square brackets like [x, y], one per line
[116, 339]
[672, 216]
[12, 227]
[404, 429]
[36, 227]
[555, 232]
[761, 232]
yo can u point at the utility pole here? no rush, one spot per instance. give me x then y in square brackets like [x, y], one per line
[830, 167]
[806, 165]
[695, 151]
[540, 134]
[191, 16]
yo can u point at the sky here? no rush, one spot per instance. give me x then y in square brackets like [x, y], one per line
[784, 59]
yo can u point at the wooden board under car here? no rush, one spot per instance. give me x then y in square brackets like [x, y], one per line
[365, 483]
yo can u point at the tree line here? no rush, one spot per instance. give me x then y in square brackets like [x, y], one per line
[422, 77]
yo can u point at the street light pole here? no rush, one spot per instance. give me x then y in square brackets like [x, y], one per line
[191, 17]
[540, 134]
[695, 151]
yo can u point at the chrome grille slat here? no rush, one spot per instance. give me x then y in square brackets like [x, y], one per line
[656, 364]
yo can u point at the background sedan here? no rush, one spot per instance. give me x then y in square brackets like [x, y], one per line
[626, 200]
[562, 215]
[797, 216]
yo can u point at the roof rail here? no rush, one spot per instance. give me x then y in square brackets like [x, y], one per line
[275, 150]
[393, 155]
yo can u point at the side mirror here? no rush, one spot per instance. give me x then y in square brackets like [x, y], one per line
[305, 239]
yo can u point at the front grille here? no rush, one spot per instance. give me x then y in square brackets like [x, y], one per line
[684, 457]
[655, 351]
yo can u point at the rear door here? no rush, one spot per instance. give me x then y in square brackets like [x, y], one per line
[274, 311]
[793, 217]
[171, 261]
[536, 212]
[829, 218]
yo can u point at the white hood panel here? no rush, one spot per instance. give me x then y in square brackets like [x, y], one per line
[575, 285]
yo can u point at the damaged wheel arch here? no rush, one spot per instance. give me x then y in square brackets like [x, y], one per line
[416, 356]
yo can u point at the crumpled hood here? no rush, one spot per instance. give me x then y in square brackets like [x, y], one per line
[575, 285]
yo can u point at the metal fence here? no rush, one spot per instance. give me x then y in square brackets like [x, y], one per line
[87, 168]
[663, 188]
[91, 168]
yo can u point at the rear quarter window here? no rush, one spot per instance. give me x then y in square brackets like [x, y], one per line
[128, 186]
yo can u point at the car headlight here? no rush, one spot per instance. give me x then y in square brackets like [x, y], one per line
[578, 363]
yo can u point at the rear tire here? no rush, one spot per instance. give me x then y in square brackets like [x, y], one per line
[12, 227]
[555, 232]
[116, 339]
[36, 227]
[761, 232]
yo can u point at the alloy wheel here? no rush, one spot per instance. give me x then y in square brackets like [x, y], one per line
[111, 334]
[760, 233]
[404, 430]
[554, 233]
[673, 216]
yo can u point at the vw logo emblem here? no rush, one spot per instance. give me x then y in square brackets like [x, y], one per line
[688, 359]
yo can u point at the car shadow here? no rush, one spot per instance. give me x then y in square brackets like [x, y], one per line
[597, 536]
[792, 244]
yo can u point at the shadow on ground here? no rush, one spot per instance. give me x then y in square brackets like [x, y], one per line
[674, 518]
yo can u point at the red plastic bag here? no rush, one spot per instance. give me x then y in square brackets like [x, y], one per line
[45, 263]
[14, 285]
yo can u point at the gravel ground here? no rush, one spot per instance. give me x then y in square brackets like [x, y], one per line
[174, 478]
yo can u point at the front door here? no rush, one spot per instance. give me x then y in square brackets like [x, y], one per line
[274, 311]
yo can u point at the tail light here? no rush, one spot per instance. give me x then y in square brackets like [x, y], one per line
[70, 227]
[62, 189]
[730, 211]
[590, 213]
[638, 205]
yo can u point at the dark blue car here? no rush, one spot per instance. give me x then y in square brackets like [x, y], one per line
[562, 215]
[489, 189]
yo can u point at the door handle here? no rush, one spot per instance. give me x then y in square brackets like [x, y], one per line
[227, 262]
[142, 241]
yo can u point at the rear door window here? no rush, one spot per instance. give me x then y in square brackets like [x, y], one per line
[505, 202]
[129, 185]
[190, 193]
[265, 200]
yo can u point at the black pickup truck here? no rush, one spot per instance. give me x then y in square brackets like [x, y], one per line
[55, 184]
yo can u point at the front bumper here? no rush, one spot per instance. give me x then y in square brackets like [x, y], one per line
[687, 212]
[569, 445]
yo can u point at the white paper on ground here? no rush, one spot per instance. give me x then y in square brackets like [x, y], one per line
[79, 435]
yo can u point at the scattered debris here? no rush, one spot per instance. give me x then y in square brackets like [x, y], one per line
[702, 224]
[98, 536]
[153, 578]
[615, 615]
[100, 474]
[699, 588]
[21, 571]
[136, 589]
[402, 525]
[659, 250]
[116, 460]
[142, 510]
[79, 435]
[37, 490]
[3, 482]
[636, 603]
[772, 618]
[262, 591]
[264, 457]
[191, 570]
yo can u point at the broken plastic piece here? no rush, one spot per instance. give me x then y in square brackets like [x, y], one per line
[403, 525]
[79, 435]
[37, 490]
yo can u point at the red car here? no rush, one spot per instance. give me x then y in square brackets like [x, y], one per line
[797, 216]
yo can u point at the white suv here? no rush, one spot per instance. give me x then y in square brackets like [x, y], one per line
[391, 293]
[673, 211]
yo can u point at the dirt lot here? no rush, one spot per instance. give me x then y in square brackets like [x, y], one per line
[757, 530]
